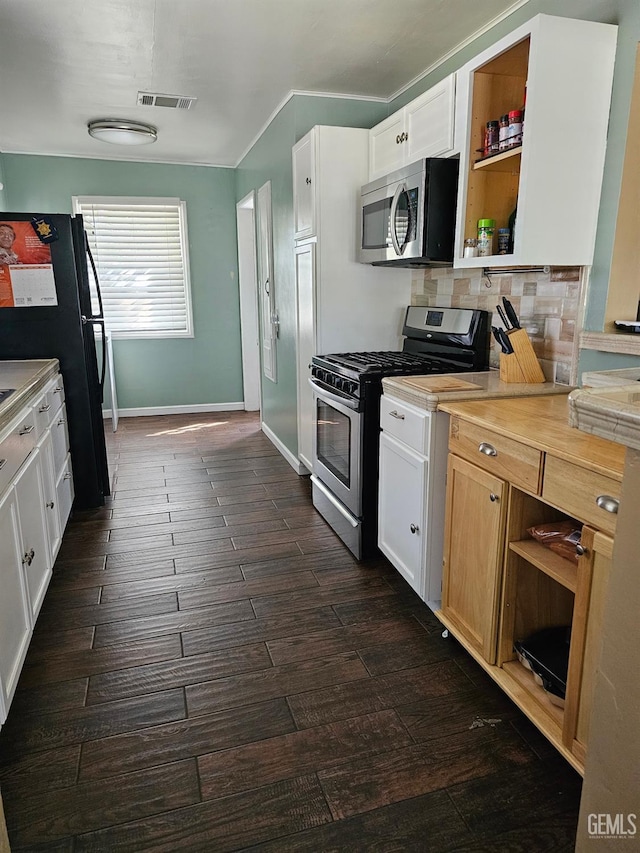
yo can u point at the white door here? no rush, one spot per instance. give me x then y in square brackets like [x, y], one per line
[306, 347]
[266, 287]
[247, 284]
[387, 144]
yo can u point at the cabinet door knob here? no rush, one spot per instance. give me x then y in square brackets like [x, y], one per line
[580, 550]
[487, 449]
[414, 528]
[398, 140]
[493, 497]
[607, 503]
[50, 504]
[26, 430]
[308, 181]
[28, 557]
[395, 415]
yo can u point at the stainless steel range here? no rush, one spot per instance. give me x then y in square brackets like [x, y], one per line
[347, 389]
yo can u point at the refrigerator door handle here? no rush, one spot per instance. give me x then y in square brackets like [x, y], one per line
[95, 273]
[95, 321]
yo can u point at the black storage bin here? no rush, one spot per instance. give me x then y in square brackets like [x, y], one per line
[546, 653]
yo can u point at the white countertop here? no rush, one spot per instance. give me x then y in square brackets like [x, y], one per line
[489, 380]
[26, 377]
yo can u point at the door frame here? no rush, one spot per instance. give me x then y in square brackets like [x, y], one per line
[248, 290]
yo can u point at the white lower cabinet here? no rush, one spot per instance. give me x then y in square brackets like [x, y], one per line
[36, 494]
[15, 623]
[401, 509]
[36, 560]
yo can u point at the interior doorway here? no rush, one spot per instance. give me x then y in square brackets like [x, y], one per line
[248, 283]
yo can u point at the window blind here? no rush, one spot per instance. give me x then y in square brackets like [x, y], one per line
[139, 248]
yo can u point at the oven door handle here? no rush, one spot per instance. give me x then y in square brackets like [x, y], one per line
[338, 399]
[317, 482]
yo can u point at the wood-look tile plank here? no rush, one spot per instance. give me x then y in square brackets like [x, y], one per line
[252, 765]
[273, 683]
[88, 806]
[425, 824]
[39, 771]
[423, 648]
[222, 825]
[151, 530]
[47, 697]
[336, 640]
[341, 701]
[139, 680]
[184, 738]
[75, 725]
[169, 623]
[259, 589]
[206, 532]
[295, 563]
[269, 628]
[271, 605]
[172, 583]
[84, 662]
[82, 579]
[200, 512]
[55, 641]
[375, 780]
[246, 555]
[114, 611]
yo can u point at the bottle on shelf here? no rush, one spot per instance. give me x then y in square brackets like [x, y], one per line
[503, 132]
[514, 133]
[491, 138]
[504, 241]
[512, 229]
[486, 230]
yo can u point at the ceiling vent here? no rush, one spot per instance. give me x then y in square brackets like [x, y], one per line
[174, 102]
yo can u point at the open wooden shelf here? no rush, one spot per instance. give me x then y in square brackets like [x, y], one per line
[522, 676]
[501, 162]
[561, 570]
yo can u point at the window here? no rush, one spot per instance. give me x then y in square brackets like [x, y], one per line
[139, 246]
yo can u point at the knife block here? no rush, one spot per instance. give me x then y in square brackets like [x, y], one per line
[522, 364]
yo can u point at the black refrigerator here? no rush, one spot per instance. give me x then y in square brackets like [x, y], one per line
[66, 331]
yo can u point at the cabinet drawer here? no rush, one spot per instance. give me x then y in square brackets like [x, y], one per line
[17, 443]
[576, 491]
[48, 405]
[407, 424]
[60, 439]
[504, 457]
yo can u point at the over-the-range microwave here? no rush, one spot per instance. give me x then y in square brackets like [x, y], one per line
[408, 217]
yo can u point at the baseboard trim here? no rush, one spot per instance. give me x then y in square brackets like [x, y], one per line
[198, 408]
[295, 463]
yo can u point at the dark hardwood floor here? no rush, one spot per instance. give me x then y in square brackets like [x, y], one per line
[212, 671]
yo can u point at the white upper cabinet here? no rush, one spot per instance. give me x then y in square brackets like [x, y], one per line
[304, 188]
[554, 177]
[423, 128]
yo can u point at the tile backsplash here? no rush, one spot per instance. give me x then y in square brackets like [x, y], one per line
[548, 304]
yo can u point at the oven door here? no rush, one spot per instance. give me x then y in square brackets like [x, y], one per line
[337, 445]
[391, 220]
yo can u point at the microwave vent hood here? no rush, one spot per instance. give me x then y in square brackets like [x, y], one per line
[408, 219]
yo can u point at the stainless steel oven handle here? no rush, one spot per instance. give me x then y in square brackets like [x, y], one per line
[321, 391]
[333, 500]
[401, 188]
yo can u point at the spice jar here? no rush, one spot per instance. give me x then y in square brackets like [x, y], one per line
[491, 138]
[503, 132]
[486, 230]
[470, 247]
[504, 240]
[514, 135]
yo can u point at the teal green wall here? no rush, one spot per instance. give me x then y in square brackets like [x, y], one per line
[270, 160]
[2, 181]
[169, 371]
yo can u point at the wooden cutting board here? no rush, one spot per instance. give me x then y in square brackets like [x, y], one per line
[440, 384]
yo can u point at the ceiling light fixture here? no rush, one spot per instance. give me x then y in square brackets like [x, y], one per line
[121, 132]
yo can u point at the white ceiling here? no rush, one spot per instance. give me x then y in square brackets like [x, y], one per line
[68, 61]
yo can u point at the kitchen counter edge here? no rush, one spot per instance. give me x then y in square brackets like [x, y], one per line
[28, 377]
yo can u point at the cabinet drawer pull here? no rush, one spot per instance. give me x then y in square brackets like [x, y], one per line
[45, 408]
[487, 449]
[26, 430]
[67, 476]
[414, 528]
[3, 462]
[57, 390]
[395, 415]
[493, 497]
[61, 421]
[607, 503]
